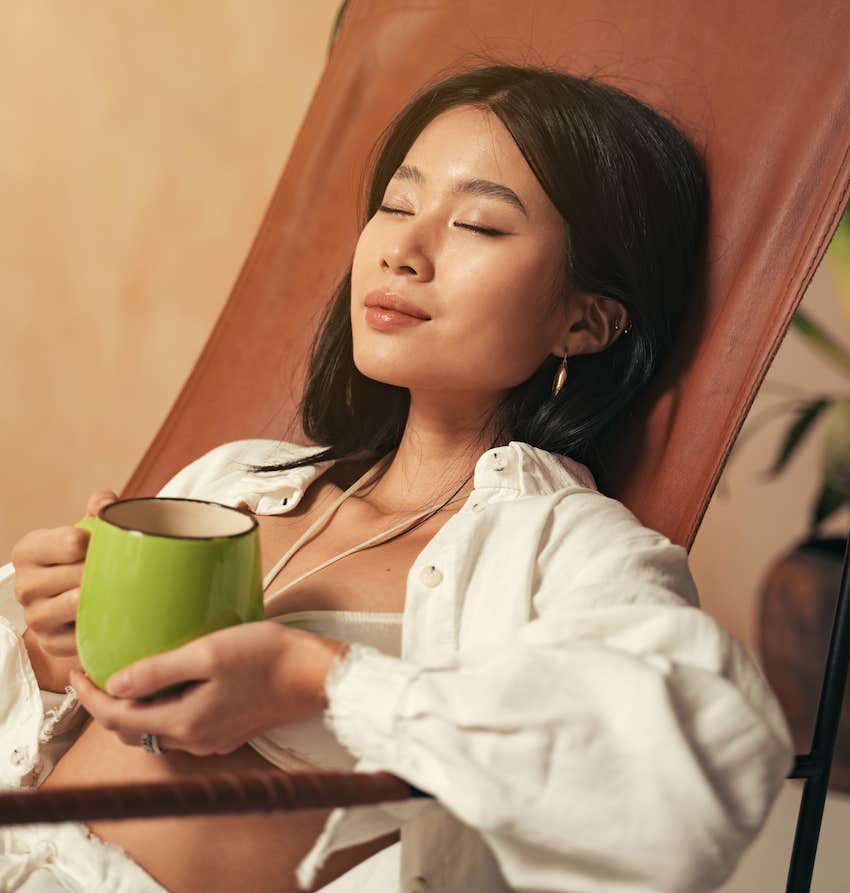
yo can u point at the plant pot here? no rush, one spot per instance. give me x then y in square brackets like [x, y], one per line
[796, 609]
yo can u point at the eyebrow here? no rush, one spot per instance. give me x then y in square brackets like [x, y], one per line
[476, 186]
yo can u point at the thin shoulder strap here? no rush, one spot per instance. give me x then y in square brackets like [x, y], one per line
[372, 540]
[316, 525]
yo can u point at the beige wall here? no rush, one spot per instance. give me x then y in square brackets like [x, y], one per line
[139, 146]
[138, 152]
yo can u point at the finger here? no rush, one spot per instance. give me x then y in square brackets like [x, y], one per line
[98, 704]
[46, 615]
[193, 661]
[132, 718]
[99, 499]
[44, 548]
[116, 714]
[37, 583]
[62, 643]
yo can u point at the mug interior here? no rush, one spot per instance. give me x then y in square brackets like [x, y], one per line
[183, 518]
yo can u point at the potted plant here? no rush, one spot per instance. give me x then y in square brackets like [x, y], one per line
[799, 592]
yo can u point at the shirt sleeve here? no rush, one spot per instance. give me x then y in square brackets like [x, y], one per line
[36, 725]
[203, 476]
[624, 741]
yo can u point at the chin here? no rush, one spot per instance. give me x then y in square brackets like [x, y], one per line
[384, 376]
[385, 368]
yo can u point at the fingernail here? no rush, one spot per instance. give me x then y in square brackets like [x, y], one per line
[119, 684]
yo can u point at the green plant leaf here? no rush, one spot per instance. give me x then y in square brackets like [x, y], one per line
[837, 444]
[806, 415]
[823, 343]
[835, 490]
[829, 500]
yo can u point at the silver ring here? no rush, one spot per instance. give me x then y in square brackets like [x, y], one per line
[151, 743]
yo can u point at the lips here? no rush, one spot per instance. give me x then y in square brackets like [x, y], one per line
[391, 301]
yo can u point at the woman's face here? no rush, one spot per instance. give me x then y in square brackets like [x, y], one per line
[495, 301]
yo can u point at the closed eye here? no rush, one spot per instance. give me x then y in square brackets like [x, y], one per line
[484, 230]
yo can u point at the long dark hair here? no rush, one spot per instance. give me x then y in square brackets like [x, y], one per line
[633, 192]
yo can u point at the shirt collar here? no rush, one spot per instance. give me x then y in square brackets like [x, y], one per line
[530, 470]
[519, 467]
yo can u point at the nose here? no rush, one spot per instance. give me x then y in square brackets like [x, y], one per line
[404, 252]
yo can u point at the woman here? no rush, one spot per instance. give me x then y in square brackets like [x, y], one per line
[581, 724]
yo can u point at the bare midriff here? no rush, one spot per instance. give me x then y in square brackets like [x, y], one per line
[256, 852]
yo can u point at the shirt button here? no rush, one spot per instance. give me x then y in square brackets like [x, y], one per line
[498, 462]
[477, 506]
[19, 756]
[431, 575]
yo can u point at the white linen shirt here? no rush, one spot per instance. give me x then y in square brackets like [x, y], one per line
[581, 723]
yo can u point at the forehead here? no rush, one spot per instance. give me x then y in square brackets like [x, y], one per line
[468, 142]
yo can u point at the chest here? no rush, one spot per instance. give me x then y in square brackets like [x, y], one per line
[470, 587]
[372, 579]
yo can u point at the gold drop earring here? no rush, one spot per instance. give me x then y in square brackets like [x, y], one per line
[561, 377]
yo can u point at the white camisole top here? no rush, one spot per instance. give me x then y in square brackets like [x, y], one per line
[308, 744]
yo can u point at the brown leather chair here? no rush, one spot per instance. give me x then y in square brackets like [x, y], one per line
[764, 86]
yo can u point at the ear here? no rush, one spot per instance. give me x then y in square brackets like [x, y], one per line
[588, 324]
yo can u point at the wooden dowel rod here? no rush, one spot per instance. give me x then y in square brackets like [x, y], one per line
[230, 792]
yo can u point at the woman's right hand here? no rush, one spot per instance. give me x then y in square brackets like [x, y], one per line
[48, 573]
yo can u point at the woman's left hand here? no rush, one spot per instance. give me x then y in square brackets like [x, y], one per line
[246, 679]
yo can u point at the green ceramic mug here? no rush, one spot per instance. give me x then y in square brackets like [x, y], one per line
[160, 572]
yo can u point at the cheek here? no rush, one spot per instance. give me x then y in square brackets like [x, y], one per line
[493, 300]
[361, 252]
[368, 252]
[506, 295]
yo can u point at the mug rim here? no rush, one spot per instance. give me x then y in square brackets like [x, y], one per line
[172, 536]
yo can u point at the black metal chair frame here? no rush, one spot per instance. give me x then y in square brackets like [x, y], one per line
[815, 766]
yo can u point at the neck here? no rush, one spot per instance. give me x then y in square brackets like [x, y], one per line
[436, 456]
